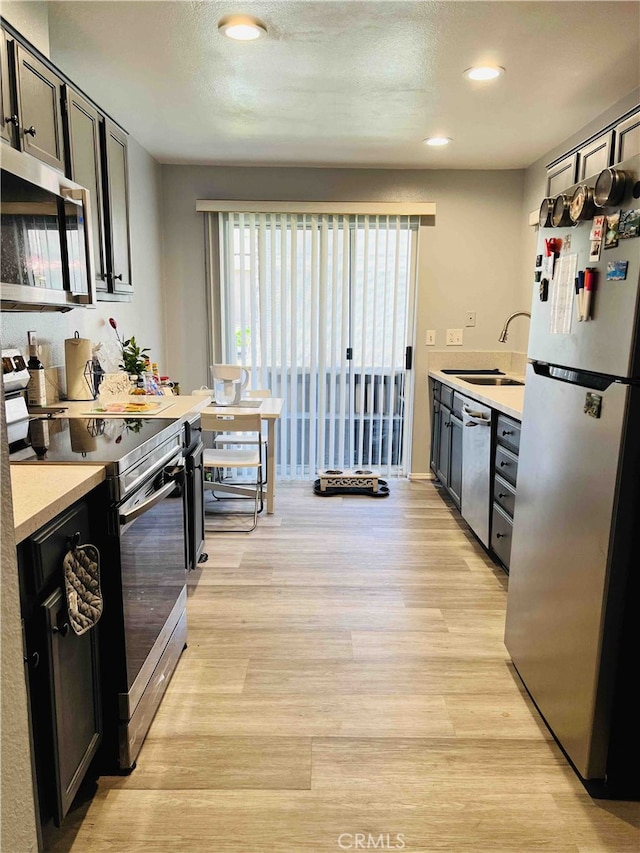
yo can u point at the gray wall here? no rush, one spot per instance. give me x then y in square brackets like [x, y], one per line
[144, 316]
[468, 262]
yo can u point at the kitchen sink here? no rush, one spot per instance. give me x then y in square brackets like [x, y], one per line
[490, 380]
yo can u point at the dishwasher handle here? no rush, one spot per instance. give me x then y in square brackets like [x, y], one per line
[472, 418]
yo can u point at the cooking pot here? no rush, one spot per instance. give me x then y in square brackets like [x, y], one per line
[609, 188]
[582, 204]
[560, 216]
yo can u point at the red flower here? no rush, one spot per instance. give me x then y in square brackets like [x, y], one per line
[113, 323]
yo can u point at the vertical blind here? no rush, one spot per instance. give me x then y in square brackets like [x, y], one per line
[319, 309]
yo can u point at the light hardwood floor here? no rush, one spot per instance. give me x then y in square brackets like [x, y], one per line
[346, 674]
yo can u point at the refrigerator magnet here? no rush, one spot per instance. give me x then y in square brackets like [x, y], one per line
[629, 225]
[593, 405]
[597, 228]
[596, 250]
[537, 275]
[617, 270]
[538, 261]
[611, 233]
[543, 290]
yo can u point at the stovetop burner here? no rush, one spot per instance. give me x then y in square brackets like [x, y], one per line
[97, 441]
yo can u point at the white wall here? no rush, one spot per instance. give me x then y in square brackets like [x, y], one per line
[31, 19]
[144, 316]
[468, 262]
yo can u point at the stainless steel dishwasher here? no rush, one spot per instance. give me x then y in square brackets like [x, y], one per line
[476, 468]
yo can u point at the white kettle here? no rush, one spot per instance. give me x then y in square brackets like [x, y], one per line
[229, 381]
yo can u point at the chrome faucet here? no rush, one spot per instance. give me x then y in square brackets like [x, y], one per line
[505, 329]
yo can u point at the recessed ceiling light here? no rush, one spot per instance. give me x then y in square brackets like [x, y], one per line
[437, 141]
[484, 72]
[241, 28]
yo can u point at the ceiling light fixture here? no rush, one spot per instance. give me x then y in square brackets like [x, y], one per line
[484, 72]
[241, 28]
[437, 141]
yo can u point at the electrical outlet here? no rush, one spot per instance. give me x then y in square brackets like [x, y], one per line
[431, 337]
[454, 337]
[471, 318]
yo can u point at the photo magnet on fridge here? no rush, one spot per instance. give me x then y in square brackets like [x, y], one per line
[617, 270]
[596, 248]
[629, 224]
[611, 233]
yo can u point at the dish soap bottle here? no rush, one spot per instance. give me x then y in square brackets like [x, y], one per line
[36, 389]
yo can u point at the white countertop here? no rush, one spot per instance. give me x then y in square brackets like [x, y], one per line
[39, 495]
[508, 399]
[178, 409]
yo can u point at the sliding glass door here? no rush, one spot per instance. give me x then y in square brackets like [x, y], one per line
[319, 309]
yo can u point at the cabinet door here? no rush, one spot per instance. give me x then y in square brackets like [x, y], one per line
[435, 435]
[83, 149]
[117, 198]
[628, 138]
[444, 454]
[595, 156]
[455, 467]
[75, 701]
[8, 118]
[40, 109]
[561, 175]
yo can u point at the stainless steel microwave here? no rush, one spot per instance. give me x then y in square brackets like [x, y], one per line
[46, 253]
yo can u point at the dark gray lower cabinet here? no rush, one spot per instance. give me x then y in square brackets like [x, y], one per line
[62, 668]
[455, 466]
[446, 441]
[74, 701]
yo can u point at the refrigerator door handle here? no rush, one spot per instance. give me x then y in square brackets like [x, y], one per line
[584, 378]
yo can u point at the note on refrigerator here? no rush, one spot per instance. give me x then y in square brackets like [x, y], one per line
[563, 292]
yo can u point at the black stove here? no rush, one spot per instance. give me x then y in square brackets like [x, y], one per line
[129, 448]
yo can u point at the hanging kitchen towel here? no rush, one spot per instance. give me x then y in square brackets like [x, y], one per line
[82, 586]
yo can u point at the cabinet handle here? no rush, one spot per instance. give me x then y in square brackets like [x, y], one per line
[33, 660]
[117, 277]
[501, 535]
[504, 464]
[30, 130]
[62, 631]
[507, 432]
[12, 120]
[502, 494]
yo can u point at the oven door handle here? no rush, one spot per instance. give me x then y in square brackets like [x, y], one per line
[136, 512]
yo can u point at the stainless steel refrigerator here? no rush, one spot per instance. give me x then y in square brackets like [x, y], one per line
[573, 602]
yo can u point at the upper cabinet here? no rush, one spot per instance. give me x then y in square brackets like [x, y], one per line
[84, 167]
[44, 115]
[595, 156]
[628, 137]
[617, 142]
[561, 175]
[117, 198]
[39, 100]
[7, 118]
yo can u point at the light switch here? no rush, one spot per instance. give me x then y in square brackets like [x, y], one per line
[454, 337]
[471, 318]
[431, 337]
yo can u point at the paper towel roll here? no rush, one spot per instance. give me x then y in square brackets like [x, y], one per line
[77, 353]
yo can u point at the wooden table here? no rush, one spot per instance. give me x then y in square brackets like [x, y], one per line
[270, 409]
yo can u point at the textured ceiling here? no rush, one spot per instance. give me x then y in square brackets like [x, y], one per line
[357, 83]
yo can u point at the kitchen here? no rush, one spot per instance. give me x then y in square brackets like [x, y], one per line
[167, 233]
